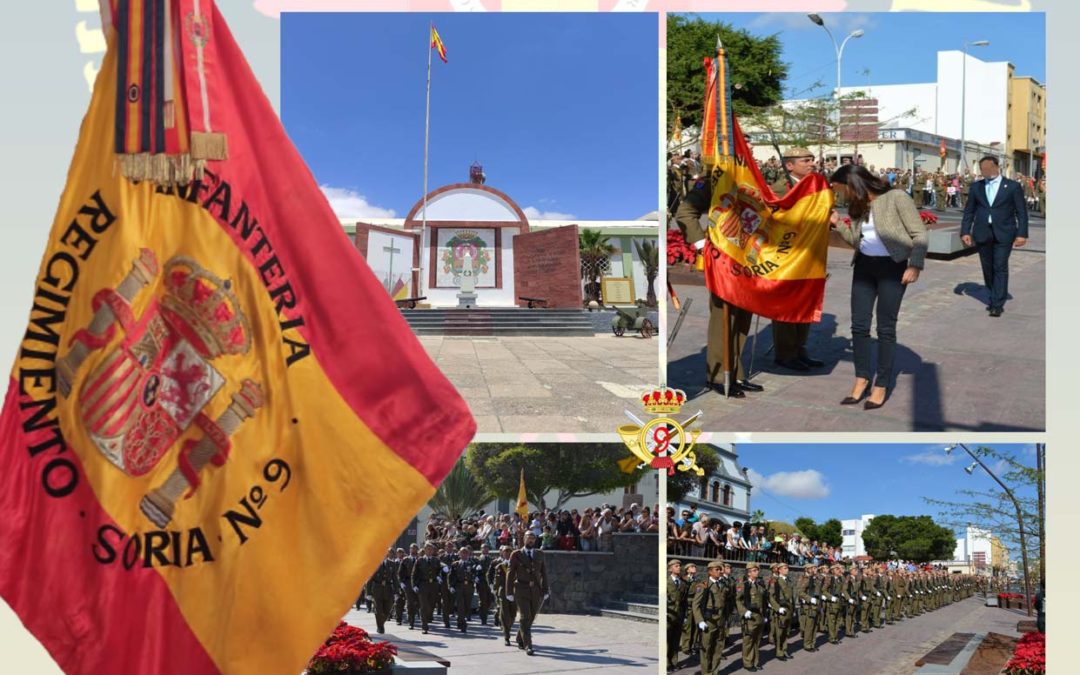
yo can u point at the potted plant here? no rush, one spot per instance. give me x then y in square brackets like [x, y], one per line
[1029, 657]
[349, 651]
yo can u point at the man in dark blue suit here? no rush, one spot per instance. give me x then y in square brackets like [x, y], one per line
[995, 220]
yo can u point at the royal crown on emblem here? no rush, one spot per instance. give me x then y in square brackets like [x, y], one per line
[663, 400]
[204, 309]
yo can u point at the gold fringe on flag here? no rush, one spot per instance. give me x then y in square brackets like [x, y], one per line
[209, 145]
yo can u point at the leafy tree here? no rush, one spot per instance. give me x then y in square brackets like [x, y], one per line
[595, 249]
[993, 511]
[680, 485]
[648, 251]
[916, 538]
[830, 532]
[459, 495]
[577, 470]
[754, 65]
[781, 527]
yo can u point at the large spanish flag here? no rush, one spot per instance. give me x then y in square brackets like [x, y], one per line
[437, 44]
[764, 254]
[217, 420]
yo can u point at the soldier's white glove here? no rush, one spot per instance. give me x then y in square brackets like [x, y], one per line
[402, 584]
[547, 595]
[813, 601]
[703, 625]
[476, 580]
[879, 595]
[509, 598]
[445, 569]
[748, 614]
[864, 598]
[453, 590]
[439, 578]
[415, 589]
[888, 597]
[782, 610]
[850, 601]
[478, 568]
[833, 598]
[699, 244]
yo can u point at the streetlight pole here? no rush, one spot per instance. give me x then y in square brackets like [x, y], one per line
[1019, 522]
[839, 49]
[963, 100]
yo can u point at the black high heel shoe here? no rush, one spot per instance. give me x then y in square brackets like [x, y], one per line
[852, 400]
[870, 405]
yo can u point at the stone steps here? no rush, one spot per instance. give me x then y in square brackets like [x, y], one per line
[632, 606]
[500, 321]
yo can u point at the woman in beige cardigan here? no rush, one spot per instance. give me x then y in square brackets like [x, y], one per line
[890, 242]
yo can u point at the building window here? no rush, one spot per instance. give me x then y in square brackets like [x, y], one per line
[729, 495]
[703, 488]
[849, 533]
[714, 493]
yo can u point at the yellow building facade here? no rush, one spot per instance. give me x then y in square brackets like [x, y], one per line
[1026, 124]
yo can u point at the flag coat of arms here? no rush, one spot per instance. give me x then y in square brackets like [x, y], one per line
[763, 253]
[217, 420]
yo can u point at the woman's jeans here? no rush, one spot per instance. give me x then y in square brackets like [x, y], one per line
[876, 280]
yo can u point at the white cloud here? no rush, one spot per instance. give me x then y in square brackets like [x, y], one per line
[932, 457]
[808, 484]
[533, 213]
[351, 204]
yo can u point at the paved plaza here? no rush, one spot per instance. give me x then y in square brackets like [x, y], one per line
[548, 384]
[893, 650]
[957, 369]
[564, 643]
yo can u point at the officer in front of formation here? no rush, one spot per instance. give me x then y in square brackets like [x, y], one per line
[527, 585]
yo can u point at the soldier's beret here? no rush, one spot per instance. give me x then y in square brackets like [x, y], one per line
[672, 563]
[714, 564]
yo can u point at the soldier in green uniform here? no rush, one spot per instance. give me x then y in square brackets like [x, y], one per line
[867, 591]
[1041, 191]
[483, 590]
[833, 592]
[807, 590]
[412, 600]
[427, 584]
[752, 603]
[676, 611]
[853, 593]
[527, 585]
[382, 584]
[691, 208]
[789, 339]
[902, 597]
[904, 181]
[892, 600]
[400, 586]
[504, 609]
[690, 638]
[461, 581]
[939, 191]
[782, 600]
[708, 612]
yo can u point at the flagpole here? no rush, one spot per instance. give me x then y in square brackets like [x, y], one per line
[427, 128]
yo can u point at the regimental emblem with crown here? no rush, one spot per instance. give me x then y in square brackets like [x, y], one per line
[154, 385]
[663, 443]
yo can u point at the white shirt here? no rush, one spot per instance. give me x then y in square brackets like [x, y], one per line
[992, 187]
[871, 243]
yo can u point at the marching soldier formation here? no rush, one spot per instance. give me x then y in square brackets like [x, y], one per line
[838, 601]
[437, 582]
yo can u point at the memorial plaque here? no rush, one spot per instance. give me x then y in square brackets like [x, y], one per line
[617, 290]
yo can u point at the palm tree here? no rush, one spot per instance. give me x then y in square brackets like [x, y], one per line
[595, 249]
[758, 516]
[459, 495]
[649, 253]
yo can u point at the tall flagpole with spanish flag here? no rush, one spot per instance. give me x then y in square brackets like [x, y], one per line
[435, 43]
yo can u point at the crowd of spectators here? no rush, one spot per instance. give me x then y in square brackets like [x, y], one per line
[591, 529]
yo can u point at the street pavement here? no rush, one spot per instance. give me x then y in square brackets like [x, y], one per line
[563, 643]
[548, 384]
[956, 368]
[889, 651]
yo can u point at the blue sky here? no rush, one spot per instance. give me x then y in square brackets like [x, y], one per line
[847, 480]
[898, 47]
[561, 109]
